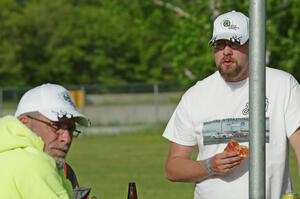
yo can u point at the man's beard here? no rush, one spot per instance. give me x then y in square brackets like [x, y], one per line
[231, 73]
[60, 162]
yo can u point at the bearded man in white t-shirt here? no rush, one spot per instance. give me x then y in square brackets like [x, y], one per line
[216, 109]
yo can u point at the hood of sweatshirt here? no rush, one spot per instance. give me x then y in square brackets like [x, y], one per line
[14, 134]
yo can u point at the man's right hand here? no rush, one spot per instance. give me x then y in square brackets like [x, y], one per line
[225, 162]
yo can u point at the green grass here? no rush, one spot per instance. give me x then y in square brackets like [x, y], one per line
[294, 172]
[108, 162]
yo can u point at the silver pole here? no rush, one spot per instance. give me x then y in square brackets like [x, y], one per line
[257, 92]
[156, 91]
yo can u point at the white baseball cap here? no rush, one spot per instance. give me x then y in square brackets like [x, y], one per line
[233, 26]
[53, 101]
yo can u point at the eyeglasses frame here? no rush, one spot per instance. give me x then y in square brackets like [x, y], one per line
[55, 126]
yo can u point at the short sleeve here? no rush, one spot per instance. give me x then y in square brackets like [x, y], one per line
[292, 108]
[180, 128]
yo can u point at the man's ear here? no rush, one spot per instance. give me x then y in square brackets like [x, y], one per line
[25, 120]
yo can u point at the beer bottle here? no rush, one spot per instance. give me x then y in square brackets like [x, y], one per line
[132, 193]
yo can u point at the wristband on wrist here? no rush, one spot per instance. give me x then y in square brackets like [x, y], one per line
[207, 166]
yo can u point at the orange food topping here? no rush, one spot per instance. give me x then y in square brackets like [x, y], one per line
[233, 145]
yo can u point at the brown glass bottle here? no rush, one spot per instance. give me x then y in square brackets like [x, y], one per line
[132, 193]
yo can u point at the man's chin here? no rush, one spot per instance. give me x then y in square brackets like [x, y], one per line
[229, 73]
[60, 162]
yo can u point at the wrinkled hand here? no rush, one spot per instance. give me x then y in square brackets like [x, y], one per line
[225, 162]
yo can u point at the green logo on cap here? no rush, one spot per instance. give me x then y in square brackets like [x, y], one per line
[68, 99]
[226, 23]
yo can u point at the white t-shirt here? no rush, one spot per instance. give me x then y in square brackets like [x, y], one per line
[214, 111]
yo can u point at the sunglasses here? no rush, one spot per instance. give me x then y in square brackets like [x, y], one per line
[221, 44]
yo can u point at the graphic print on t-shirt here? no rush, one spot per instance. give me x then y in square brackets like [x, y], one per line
[221, 131]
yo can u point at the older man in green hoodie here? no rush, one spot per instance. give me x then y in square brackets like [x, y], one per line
[34, 144]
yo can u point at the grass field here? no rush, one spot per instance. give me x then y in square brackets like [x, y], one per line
[108, 162]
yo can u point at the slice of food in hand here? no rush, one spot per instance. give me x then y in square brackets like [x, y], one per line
[233, 145]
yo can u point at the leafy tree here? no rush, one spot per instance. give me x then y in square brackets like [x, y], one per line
[40, 21]
[283, 22]
[93, 41]
[10, 68]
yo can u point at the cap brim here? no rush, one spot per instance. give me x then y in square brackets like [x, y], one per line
[58, 115]
[227, 36]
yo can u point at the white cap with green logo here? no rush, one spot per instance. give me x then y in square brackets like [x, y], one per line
[233, 26]
[53, 101]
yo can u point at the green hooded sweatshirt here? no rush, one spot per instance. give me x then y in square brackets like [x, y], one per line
[25, 170]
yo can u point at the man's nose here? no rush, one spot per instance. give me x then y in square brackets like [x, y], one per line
[227, 50]
[66, 136]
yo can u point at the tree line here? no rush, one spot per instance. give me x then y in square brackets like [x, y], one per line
[126, 41]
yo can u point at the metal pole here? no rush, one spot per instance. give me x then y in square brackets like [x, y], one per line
[156, 91]
[257, 124]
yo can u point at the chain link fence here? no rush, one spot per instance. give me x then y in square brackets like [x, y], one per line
[110, 106]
